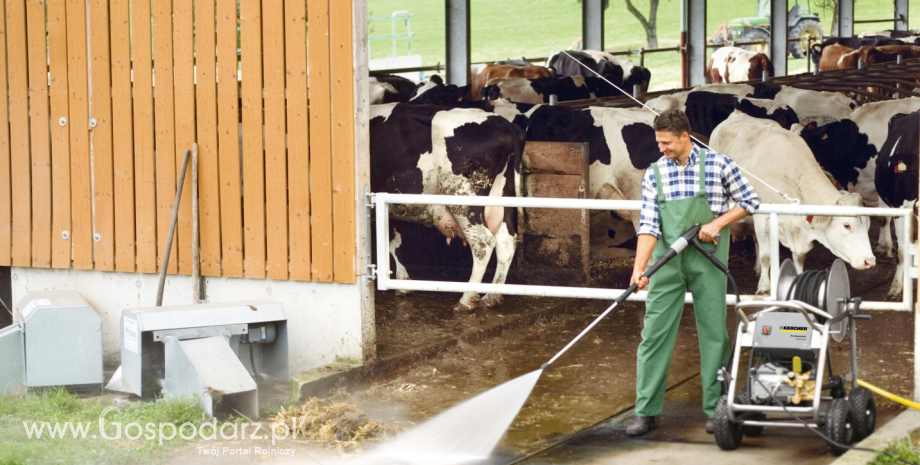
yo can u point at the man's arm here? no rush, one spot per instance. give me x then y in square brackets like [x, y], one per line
[711, 230]
[644, 248]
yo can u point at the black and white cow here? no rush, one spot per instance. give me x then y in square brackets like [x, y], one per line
[388, 88]
[426, 149]
[896, 176]
[536, 91]
[809, 105]
[706, 110]
[847, 149]
[435, 92]
[619, 71]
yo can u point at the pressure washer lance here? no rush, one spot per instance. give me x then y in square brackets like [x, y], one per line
[691, 237]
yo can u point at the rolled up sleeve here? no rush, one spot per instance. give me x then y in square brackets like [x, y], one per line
[649, 222]
[739, 189]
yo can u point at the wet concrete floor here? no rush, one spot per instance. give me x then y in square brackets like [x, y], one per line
[431, 358]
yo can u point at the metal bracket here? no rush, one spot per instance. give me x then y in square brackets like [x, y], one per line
[369, 204]
[198, 333]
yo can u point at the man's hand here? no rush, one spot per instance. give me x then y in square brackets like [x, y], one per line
[637, 278]
[710, 231]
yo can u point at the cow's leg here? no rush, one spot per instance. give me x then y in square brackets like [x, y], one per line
[757, 254]
[482, 243]
[401, 272]
[761, 230]
[885, 245]
[504, 253]
[799, 261]
[897, 284]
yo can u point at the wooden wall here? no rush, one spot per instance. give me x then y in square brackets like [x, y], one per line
[103, 97]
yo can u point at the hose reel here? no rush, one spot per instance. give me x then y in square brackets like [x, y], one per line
[828, 290]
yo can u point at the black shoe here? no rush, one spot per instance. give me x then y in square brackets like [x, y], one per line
[641, 425]
[711, 426]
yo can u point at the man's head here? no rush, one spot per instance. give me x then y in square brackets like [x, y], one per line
[672, 132]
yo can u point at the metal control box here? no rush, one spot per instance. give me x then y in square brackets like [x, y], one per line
[255, 332]
[63, 339]
[783, 334]
[12, 364]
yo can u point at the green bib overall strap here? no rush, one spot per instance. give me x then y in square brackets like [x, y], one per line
[665, 302]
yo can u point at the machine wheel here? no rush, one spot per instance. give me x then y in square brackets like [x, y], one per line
[839, 425]
[751, 431]
[805, 33]
[728, 435]
[760, 36]
[838, 391]
[863, 403]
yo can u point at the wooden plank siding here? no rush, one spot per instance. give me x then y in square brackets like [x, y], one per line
[122, 135]
[6, 203]
[145, 210]
[298, 129]
[208, 174]
[320, 139]
[19, 133]
[253, 156]
[40, 153]
[276, 184]
[105, 96]
[101, 137]
[184, 84]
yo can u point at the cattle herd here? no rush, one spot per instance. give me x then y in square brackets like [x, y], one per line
[820, 147]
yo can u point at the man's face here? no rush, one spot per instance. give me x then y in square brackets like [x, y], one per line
[671, 145]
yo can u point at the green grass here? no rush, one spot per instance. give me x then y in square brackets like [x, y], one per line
[16, 448]
[495, 36]
[902, 449]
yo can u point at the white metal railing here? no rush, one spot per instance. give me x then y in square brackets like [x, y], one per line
[382, 201]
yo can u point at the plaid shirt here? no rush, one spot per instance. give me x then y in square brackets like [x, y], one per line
[682, 182]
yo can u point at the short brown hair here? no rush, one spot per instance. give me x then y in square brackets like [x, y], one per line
[674, 121]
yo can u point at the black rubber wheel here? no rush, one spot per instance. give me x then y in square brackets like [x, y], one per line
[760, 36]
[839, 426]
[728, 435]
[863, 403]
[804, 34]
[750, 431]
[838, 391]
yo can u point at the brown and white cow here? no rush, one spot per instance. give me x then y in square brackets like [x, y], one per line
[490, 72]
[833, 58]
[733, 64]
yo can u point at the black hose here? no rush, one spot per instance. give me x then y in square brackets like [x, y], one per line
[806, 287]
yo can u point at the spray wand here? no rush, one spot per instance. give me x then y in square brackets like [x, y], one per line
[689, 237]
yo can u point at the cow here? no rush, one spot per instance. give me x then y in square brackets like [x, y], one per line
[887, 53]
[847, 149]
[390, 88]
[624, 73]
[505, 71]
[435, 92]
[536, 91]
[896, 179]
[809, 105]
[733, 64]
[781, 159]
[706, 110]
[833, 58]
[817, 50]
[427, 149]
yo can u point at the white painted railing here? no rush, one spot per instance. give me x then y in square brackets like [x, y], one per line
[384, 281]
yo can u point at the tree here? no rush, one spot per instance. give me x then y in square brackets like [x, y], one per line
[650, 25]
[830, 5]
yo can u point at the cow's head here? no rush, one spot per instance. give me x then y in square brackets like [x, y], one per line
[846, 237]
[840, 148]
[435, 92]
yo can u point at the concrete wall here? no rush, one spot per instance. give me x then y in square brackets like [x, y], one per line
[324, 319]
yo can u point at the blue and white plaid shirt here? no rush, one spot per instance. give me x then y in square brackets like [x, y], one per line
[724, 184]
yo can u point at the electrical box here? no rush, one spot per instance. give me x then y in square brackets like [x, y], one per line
[783, 334]
[62, 339]
[12, 364]
[240, 339]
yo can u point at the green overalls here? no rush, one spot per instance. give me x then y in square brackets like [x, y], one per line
[665, 302]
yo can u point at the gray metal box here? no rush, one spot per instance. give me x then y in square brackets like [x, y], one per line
[63, 339]
[783, 334]
[206, 370]
[145, 330]
[12, 365]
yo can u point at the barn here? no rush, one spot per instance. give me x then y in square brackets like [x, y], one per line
[232, 148]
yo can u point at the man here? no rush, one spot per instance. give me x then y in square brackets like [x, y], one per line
[677, 193]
